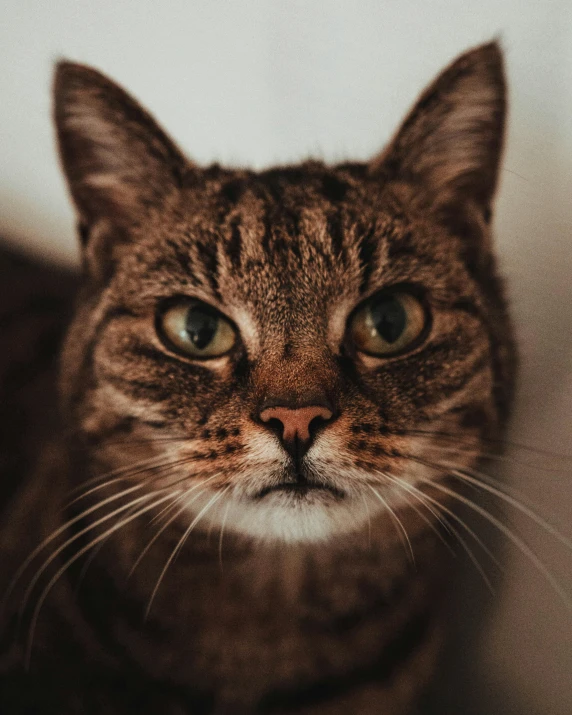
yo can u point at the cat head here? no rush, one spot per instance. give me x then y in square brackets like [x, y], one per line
[296, 350]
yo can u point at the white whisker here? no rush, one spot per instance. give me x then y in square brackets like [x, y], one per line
[508, 499]
[72, 560]
[366, 506]
[155, 470]
[178, 547]
[70, 541]
[442, 508]
[116, 472]
[186, 505]
[400, 528]
[54, 535]
[93, 556]
[223, 524]
[515, 539]
[417, 494]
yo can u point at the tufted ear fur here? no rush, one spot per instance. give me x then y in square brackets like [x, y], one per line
[450, 144]
[117, 160]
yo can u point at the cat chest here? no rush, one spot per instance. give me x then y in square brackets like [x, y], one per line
[269, 641]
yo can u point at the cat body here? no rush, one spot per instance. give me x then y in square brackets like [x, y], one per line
[267, 631]
[240, 506]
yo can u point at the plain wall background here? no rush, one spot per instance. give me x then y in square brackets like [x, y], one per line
[265, 81]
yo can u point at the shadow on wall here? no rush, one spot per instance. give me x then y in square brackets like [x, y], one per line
[19, 221]
[512, 649]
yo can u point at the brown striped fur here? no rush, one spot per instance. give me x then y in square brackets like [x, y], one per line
[310, 602]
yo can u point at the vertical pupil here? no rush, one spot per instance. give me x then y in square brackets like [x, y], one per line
[201, 327]
[389, 318]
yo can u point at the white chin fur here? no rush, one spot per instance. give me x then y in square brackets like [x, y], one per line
[289, 517]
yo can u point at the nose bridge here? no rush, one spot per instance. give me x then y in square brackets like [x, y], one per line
[297, 380]
[296, 395]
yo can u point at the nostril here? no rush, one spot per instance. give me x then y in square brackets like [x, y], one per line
[275, 425]
[297, 424]
[317, 422]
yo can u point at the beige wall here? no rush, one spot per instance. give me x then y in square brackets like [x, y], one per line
[267, 81]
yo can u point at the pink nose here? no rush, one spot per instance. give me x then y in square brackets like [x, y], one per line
[296, 422]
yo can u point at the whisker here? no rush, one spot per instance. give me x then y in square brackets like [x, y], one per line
[163, 513]
[185, 506]
[486, 483]
[471, 554]
[183, 495]
[491, 440]
[54, 535]
[505, 458]
[400, 528]
[452, 515]
[418, 494]
[69, 562]
[223, 524]
[115, 472]
[514, 538]
[508, 499]
[442, 508]
[366, 505]
[102, 486]
[153, 470]
[93, 555]
[71, 540]
[161, 530]
[178, 547]
[150, 440]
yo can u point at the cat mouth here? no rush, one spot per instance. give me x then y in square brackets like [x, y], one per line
[300, 488]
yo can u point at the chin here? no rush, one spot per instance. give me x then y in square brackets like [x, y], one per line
[292, 516]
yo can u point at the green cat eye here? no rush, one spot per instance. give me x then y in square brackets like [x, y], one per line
[196, 329]
[387, 324]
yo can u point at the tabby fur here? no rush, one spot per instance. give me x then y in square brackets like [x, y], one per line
[275, 603]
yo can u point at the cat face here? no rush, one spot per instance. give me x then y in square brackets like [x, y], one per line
[295, 351]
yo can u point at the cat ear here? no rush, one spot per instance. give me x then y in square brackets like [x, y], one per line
[117, 160]
[450, 144]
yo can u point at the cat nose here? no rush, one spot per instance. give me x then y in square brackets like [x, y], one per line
[296, 426]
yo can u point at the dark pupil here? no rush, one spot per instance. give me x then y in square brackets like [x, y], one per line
[201, 327]
[389, 318]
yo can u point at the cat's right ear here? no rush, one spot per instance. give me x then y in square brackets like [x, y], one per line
[118, 162]
[449, 146]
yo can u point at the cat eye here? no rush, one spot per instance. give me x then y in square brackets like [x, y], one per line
[388, 323]
[196, 329]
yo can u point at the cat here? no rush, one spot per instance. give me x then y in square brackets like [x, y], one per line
[271, 386]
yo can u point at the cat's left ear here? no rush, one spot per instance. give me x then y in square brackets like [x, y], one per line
[449, 146]
[117, 160]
